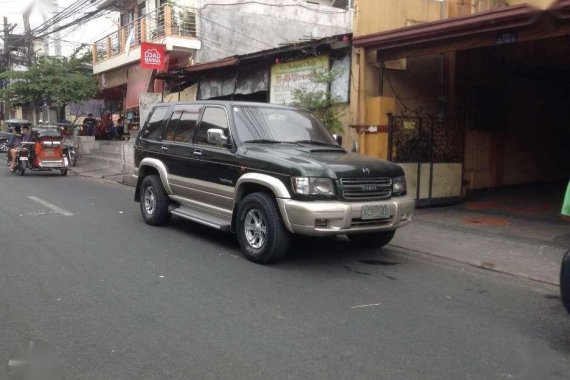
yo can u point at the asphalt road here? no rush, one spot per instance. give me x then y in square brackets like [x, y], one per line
[88, 291]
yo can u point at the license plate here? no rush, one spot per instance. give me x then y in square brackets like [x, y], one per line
[375, 212]
[23, 158]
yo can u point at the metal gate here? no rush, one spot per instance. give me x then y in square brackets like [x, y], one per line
[424, 140]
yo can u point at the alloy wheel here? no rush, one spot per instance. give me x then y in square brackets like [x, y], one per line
[255, 228]
[149, 200]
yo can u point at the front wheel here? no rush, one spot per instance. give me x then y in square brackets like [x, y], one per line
[154, 201]
[372, 239]
[261, 233]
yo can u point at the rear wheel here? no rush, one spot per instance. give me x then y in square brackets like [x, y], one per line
[261, 233]
[372, 239]
[72, 157]
[154, 201]
[64, 172]
[22, 170]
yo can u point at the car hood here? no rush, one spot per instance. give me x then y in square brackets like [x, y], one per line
[317, 161]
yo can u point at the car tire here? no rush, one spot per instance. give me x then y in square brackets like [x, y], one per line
[565, 281]
[154, 201]
[63, 172]
[4, 146]
[261, 233]
[372, 240]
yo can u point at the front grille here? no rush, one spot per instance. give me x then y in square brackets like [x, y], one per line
[366, 188]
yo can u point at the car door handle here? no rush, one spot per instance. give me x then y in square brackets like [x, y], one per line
[198, 153]
[164, 147]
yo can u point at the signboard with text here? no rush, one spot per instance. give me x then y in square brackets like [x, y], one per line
[285, 77]
[153, 56]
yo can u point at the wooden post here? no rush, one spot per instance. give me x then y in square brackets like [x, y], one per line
[362, 97]
[94, 53]
[167, 20]
[108, 47]
[122, 39]
[143, 29]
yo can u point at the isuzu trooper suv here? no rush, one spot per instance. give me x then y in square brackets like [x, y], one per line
[264, 172]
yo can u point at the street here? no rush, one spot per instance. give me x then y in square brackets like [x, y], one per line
[109, 297]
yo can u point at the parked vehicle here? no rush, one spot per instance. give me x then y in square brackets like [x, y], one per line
[264, 172]
[5, 136]
[44, 153]
[565, 268]
[4, 140]
[11, 123]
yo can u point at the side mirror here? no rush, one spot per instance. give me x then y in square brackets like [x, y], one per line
[338, 139]
[216, 137]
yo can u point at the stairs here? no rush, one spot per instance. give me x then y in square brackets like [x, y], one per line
[106, 154]
[101, 159]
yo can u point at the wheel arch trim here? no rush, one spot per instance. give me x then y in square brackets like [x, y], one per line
[162, 171]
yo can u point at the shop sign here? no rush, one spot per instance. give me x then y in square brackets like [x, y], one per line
[506, 38]
[153, 56]
[288, 76]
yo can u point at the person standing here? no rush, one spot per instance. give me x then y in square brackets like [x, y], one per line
[89, 124]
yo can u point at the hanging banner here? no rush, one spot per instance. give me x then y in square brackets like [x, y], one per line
[153, 56]
[285, 77]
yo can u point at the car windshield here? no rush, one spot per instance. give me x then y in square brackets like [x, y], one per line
[274, 125]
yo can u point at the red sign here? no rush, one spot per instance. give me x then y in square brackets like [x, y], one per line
[153, 56]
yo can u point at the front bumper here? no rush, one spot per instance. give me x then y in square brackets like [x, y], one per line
[342, 217]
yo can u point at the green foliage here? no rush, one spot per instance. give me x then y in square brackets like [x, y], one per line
[321, 102]
[57, 80]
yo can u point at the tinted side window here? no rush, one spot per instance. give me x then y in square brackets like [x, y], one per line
[152, 129]
[186, 127]
[214, 117]
[170, 130]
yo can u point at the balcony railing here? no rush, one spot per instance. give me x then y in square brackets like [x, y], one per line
[162, 22]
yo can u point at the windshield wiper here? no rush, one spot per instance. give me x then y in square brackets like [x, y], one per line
[263, 141]
[316, 142]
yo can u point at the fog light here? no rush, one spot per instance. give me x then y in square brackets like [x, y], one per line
[321, 222]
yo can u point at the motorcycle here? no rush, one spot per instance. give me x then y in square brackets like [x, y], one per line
[45, 153]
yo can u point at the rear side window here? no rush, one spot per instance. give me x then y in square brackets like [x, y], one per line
[151, 130]
[187, 123]
[214, 117]
[170, 130]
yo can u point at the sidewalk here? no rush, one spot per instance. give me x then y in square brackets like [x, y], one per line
[518, 245]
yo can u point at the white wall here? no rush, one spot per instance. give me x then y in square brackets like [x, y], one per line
[228, 27]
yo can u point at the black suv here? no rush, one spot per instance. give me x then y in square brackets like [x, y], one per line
[264, 172]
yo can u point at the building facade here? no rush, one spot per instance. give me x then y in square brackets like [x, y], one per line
[198, 31]
[471, 95]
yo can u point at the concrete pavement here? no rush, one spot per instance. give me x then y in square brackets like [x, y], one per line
[514, 244]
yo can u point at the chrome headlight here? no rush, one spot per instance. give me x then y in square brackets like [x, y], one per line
[313, 186]
[399, 185]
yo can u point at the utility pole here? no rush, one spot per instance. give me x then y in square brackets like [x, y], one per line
[5, 65]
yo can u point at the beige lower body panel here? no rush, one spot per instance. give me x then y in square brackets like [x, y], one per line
[343, 217]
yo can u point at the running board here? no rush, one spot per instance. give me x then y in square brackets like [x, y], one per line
[201, 217]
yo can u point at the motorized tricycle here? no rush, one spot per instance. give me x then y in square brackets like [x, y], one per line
[44, 153]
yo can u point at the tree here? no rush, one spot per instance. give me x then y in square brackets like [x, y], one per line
[321, 102]
[58, 81]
